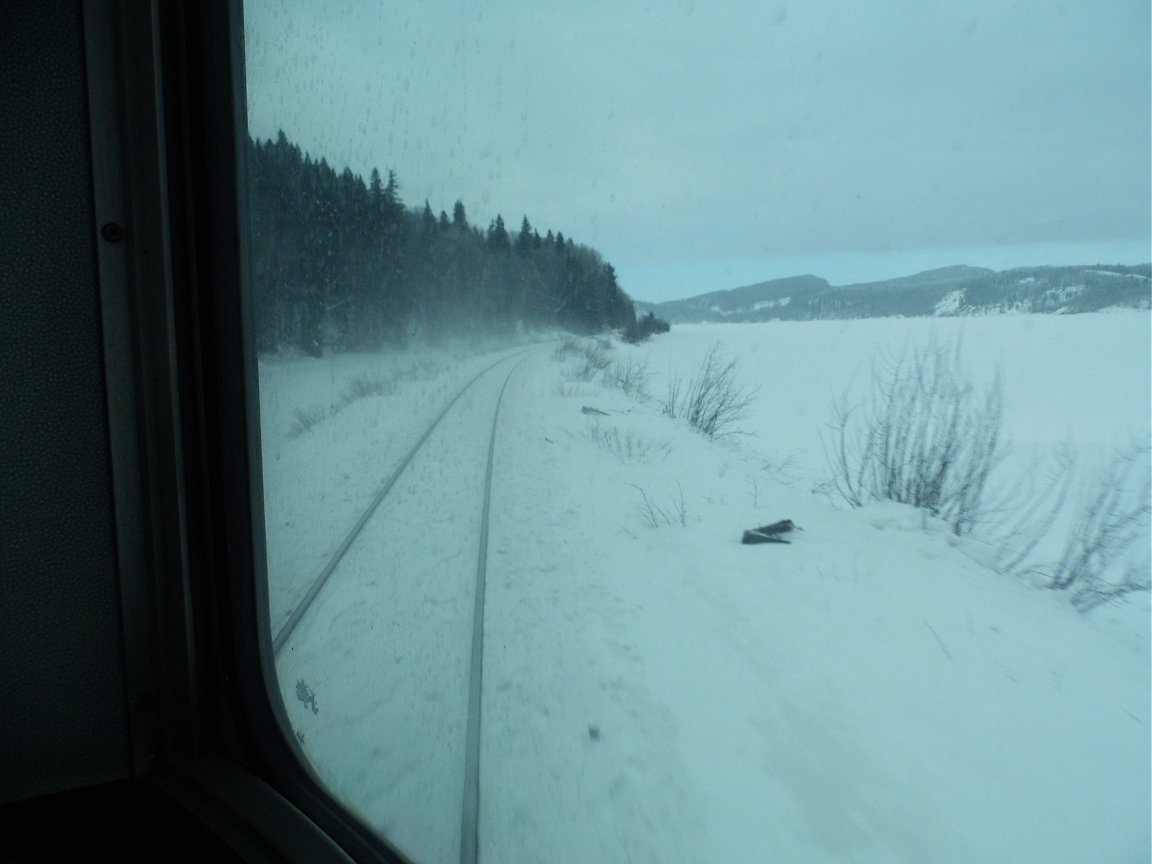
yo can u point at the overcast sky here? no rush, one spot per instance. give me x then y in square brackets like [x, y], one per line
[704, 145]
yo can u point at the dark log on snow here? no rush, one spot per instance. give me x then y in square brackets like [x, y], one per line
[770, 533]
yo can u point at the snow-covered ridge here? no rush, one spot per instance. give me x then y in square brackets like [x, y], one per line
[935, 293]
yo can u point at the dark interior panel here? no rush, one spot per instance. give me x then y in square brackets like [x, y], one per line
[61, 663]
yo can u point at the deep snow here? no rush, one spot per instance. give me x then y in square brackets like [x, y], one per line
[871, 692]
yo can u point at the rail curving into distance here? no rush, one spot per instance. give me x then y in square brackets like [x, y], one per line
[285, 632]
[470, 812]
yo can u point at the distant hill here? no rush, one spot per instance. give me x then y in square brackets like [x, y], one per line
[946, 291]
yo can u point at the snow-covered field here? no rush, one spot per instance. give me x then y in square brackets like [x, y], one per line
[653, 689]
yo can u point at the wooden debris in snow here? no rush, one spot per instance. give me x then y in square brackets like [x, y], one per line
[770, 533]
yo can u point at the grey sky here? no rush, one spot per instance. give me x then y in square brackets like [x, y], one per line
[703, 145]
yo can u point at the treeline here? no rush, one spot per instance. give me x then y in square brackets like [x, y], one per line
[643, 327]
[340, 265]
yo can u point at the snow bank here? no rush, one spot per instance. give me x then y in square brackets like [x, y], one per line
[873, 691]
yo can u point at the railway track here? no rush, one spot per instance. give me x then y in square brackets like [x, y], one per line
[289, 626]
[470, 814]
[470, 803]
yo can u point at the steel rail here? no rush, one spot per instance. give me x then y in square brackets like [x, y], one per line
[470, 816]
[281, 638]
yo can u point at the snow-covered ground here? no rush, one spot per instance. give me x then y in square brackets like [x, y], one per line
[653, 689]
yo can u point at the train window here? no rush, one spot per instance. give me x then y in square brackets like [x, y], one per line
[709, 431]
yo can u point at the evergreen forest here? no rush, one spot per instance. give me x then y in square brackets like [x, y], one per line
[340, 265]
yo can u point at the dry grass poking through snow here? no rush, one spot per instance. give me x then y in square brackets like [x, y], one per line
[364, 386]
[361, 387]
[626, 446]
[587, 357]
[655, 516]
[303, 420]
[629, 376]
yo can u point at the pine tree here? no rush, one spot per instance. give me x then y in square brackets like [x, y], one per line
[392, 193]
[458, 217]
[524, 238]
[498, 236]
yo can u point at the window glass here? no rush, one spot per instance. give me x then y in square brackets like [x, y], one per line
[709, 431]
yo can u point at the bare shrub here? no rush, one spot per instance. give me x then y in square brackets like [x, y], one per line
[654, 515]
[1111, 514]
[364, 386]
[591, 361]
[566, 349]
[305, 420]
[596, 359]
[1109, 519]
[1029, 510]
[1101, 591]
[628, 447]
[780, 470]
[629, 376]
[714, 400]
[589, 357]
[926, 438]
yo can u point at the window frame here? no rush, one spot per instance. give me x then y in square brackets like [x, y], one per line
[169, 135]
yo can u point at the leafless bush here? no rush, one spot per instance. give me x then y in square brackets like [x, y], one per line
[1111, 514]
[1028, 511]
[926, 438]
[628, 375]
[1110, 518]
[566, 349]
[305, 420]
[627, 447]
[779, 470]
[364, 386]
[1101, 591]
[596, 360]
[589, 357]
[654, 515]
[714, 400]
